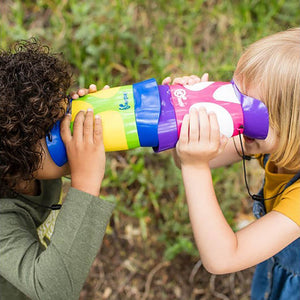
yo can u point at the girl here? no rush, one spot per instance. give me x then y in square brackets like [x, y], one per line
[269, 70]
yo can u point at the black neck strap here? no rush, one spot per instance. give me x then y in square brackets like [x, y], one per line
[257, 196]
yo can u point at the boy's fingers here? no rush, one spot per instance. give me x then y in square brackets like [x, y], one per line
[74, 95]
[92, 88]
[78, 126]
[88, 126]
[98, 129]
[82, 92]
[65, 130]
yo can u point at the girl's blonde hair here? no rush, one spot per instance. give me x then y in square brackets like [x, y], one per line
[272, 65]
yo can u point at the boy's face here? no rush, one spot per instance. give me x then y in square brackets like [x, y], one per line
[48, 169]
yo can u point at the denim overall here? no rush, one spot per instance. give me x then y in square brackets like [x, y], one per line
[277, 278]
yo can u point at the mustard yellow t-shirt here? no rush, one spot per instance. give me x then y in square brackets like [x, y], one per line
[288, 203]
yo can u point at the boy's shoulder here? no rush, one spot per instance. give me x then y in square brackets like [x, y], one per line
[31, 206]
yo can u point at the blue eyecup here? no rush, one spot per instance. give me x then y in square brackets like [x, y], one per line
[56, 146]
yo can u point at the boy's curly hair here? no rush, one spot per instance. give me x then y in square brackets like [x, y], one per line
[33, 90]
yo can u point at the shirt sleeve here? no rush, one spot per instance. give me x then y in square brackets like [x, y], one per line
[59, 271]
[289, 205]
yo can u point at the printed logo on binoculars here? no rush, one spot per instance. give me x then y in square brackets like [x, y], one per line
[125, 105]
[180, 94]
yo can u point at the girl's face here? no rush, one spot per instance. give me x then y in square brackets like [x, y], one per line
[48, 169]
[255, 146]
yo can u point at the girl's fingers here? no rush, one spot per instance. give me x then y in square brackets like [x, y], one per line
[204, 125]
[193, 79]
[178, 80]
[167, 80]
[214, 130]
[204, 77]
[194, 126]
[223, 142]
[65, 130]
[184, 132]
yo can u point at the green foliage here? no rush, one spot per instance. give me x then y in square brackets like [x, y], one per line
[120, 41]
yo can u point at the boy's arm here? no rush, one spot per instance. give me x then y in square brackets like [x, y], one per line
[60, 271]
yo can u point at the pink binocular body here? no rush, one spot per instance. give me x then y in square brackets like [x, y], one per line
[149, 115]
[217, 97]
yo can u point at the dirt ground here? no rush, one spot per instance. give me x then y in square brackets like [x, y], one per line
[128, 267]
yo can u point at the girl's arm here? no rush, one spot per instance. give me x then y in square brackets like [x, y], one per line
[222, 250]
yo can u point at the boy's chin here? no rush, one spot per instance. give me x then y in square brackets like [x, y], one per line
[52, 171]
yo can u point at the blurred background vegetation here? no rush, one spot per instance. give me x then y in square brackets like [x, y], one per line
[119, 42]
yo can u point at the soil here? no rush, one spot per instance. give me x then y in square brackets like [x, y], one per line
[128, 267]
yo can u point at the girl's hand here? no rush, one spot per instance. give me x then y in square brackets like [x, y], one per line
[200, 138]
[85, 151]
[186, 80]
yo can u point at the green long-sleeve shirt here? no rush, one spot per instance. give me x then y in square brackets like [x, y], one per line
[42, 264]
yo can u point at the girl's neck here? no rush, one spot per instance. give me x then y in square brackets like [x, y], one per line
[285, 171]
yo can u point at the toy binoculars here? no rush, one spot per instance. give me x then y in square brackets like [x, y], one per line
[149, 115]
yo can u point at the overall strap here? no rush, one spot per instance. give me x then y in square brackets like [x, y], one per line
[265, 159]
[294, 179]
[258, 206]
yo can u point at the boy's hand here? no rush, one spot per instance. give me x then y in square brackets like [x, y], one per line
[82, 92]
[85, 151]
[200, 138]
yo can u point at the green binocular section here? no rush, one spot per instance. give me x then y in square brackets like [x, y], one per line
[117, 109]
[130, 116]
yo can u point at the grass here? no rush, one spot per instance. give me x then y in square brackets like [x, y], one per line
[118, 42]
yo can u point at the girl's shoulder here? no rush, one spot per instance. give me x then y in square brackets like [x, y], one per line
[289, 203]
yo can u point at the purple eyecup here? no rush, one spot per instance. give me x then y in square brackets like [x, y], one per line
[256, 116]
[167, 125]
